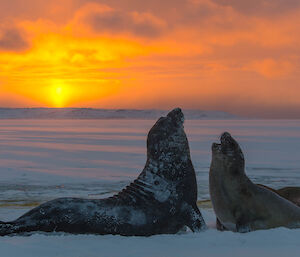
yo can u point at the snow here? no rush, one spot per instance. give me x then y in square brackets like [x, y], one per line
[276, 242]
[44, 159]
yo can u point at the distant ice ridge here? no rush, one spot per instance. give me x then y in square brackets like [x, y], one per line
[90, 113]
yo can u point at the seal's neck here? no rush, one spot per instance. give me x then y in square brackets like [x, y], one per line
[231, 172]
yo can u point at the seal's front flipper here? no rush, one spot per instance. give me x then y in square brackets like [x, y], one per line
[220, 226]
[194, 219]
[243, 228]
[6, 229]
[243, 225]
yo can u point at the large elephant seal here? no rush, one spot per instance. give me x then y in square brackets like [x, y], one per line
[239, 204]
[162, 200]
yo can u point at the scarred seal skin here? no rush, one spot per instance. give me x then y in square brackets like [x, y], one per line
[162, 200]
[239, 204]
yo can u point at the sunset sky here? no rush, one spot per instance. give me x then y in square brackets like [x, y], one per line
[240, 56]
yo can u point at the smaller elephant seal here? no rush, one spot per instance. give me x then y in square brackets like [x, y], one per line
[239, 204]
[162, 200]
[290, 193]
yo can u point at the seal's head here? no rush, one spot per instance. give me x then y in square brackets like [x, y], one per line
[228, 153]
[167, 145]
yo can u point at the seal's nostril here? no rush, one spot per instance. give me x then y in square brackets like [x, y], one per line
[225, 138]
[226, 135]
[176, 115]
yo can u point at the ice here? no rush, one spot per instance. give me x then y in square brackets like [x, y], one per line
[44, 159]
[89, 113]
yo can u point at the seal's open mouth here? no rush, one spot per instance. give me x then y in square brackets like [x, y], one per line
[226, 143]
[216, 147]
[228, 147]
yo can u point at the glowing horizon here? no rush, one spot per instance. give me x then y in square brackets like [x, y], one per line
[239, 57]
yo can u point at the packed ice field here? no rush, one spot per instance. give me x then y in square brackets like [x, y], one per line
[44, 159]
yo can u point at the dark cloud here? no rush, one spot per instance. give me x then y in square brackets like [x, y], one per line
[139, 24]
[12, 40]
[181, 8]
[260, 7]
[169, 9]
[154, 6]
[55, 10]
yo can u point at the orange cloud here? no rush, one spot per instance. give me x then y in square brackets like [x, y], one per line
[271, 68]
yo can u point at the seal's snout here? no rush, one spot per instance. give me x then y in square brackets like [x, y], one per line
[228, 144]
[177, 116]
[226, 139]
[225, 136]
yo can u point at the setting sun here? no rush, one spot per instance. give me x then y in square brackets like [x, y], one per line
[59, 90]
[59, 94]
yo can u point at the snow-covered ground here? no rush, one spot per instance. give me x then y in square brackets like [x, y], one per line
[274, 243]
[44, 159]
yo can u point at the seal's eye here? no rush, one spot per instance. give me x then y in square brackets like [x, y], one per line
[156, 183]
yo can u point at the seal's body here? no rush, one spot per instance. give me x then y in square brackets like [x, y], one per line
[161, 200]
[239, 204]
[290, 193]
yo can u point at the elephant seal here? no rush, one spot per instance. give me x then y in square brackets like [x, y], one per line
[162, 200]
[239, 204]
[290, 193]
